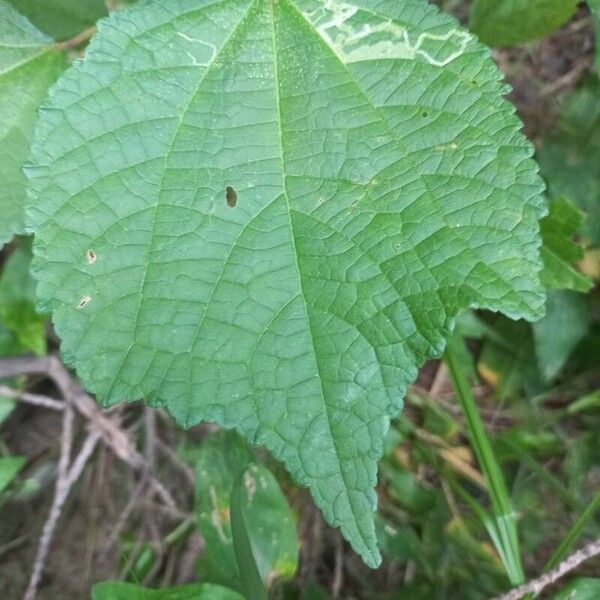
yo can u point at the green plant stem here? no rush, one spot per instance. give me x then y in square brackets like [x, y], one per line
[249, 575]
[565, 546]
[181, 530]
[506, 539]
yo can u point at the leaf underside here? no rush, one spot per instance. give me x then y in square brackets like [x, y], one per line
[381, 185]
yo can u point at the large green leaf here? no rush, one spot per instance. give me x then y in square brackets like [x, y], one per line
[380, 185]
[28, 66]
[570, 158]
[61, 19]
[270, 522]
[129, 591]
[509, 22]
[559, 250]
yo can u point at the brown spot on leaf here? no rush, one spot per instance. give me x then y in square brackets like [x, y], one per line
[231, 196]
[85, 300]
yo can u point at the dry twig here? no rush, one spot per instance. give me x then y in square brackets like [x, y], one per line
[568, 79]
[112, 434]
[170, 454]
[80, 39]
[35, 399]
[60, 495]
[119, 527]
[102, 427]
[338, 571]
[568, 565]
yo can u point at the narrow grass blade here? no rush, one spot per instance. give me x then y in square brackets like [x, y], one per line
[565, 546]
[487, 520]
[561, 490]
[505, 537]
[251, 580]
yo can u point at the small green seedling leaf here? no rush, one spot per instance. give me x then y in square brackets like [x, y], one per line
[17, 302]
[404, 487]
[398, 543]
[559, 251]
[590, 401]
[61, 19]
[270, 522]
[510, 22]
[140, 560]
[7, 406]
[9, 469]
[382, 186]
[29, 64]
[129, 591]
[252, 584]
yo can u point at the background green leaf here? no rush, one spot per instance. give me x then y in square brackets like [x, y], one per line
[570, 157]
[506, 366]
[559, 251]
[17, 302]
[565, 324]
[7, 406]
[9, 468]
[271, 525]
[510, 22]
[582, 588]
[61, 19]
[29, 64]
[382, 185]
[595, 8]
[252, 583]
[129, 591]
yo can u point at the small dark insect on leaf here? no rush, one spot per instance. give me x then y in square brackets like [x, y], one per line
[231, 196]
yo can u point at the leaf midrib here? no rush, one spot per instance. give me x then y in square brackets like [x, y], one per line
[367, 543]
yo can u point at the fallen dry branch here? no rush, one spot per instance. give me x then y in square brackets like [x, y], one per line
[35, 399]
[63, 487]
[102, 426]
[112, 435]
[171, 455]
[60, 495]
[568, 565]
